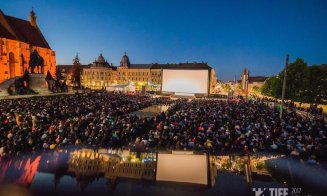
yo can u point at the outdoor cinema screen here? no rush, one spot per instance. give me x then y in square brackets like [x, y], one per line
[182, 168]
[185, 81]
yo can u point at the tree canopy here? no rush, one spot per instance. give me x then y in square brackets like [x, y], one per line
[76, 72]
[304, 83]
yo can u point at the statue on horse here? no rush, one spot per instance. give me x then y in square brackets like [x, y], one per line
[36, 61]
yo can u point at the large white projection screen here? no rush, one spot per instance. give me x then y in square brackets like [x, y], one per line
[182, 168]
[185, 81]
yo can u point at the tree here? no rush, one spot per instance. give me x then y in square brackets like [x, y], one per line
[256, 89]
[226, 87]
[59, 75]
[304, 83]
[272, 87]
[76, 72]
[296, 73]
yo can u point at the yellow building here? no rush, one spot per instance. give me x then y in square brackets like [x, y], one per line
[101, 74]
[140, 74]
[251, 84]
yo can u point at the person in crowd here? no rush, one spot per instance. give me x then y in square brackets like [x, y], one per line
[101, 119]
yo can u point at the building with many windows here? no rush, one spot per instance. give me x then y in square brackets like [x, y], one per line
[101, 74]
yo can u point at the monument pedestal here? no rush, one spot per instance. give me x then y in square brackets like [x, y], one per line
[38, 83]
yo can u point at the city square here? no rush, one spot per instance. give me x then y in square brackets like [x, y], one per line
[106, 116]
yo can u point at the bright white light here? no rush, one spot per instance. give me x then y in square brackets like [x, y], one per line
[182, 168]
[185, 81]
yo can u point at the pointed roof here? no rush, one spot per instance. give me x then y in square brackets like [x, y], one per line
[21, 30]
[76, 59]
[32, 11]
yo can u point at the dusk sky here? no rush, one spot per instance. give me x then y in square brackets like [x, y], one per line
[229, 35]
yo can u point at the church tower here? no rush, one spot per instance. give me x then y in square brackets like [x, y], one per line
[33, 18]
[18, 39]
[245, 79]
[125, 61]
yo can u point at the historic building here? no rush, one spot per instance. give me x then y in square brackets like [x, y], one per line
[101, 73]
[138, 73]
[245, 79]
[251, 83]
[18, 38]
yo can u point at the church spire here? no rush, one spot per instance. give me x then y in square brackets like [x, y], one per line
[76, 59]
[33, 18]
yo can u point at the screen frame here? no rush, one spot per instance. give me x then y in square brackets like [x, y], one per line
[177, 69]
[208, 176]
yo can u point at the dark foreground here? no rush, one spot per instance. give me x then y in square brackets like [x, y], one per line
[47, 173]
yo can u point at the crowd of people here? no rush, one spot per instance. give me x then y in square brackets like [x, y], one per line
[95, 118]
[313, 109]
[100, 119]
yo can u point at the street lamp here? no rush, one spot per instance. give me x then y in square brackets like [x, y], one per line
[284, 86]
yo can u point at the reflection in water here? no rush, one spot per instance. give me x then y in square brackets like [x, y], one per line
[88, 163]
[21, 171]
[29, 171]
[253, 168]
[83, 170]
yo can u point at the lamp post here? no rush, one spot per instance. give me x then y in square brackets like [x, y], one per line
[284, 86]
[247, 87]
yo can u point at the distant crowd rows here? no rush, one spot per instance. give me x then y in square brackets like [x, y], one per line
[100, 119]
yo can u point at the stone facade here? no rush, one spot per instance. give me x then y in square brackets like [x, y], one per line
[251, 83]
[245, 79]
[101, 73]
[18, 38]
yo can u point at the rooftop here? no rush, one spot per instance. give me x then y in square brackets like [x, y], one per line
[21, 30]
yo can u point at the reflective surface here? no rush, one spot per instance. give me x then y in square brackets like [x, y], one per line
[118, 172]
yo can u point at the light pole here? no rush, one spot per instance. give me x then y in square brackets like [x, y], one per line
[284, 86]
[247, 87]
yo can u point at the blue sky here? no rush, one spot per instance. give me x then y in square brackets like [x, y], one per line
[229, 35]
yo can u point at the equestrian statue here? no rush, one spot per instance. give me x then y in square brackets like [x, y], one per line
[36, 61]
